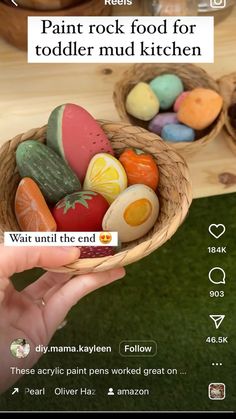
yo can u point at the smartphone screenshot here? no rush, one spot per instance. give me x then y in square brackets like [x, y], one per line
[117, 206]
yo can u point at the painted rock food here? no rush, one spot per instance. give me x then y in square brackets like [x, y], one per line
[96, 251]
[133, 213]
[53, 176]
[167, 88]
[200, 108]
[142, 103]
[161, 120]
[140, 168]
[180, 100]
[76, 136]
[193, 110]
[178, 133]
[118, 194]
[106, 176]
[80, 211]
[32, 212]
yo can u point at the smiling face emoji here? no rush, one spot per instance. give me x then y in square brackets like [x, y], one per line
[105, 238]
[133, 213]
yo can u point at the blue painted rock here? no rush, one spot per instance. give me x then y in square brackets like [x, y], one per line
[76, 136]
[133, 213]
[177, 133]
[142, 103]
[167, 88]
[40, 163]
[156, 124]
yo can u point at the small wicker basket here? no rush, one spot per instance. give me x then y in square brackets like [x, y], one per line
[192, 77]
[175, 192]
[228, 90]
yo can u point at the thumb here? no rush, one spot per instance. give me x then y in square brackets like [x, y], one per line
[19, 259]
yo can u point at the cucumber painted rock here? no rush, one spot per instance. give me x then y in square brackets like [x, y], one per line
[76, 136]
[53, 176]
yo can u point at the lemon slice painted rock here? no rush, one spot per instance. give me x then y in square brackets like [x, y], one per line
[106, 176]
[133, 213]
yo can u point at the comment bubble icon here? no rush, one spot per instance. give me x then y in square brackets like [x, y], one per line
[217, 275]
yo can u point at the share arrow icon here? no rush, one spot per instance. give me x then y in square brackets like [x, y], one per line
[217, 319]
[15, 390]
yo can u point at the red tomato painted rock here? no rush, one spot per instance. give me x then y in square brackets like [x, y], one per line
[80, 211]
[96, 251]
[76, 136]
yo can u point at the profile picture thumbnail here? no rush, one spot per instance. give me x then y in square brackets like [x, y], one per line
[20, 348]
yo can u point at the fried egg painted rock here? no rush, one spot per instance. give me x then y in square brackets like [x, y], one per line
[133, 213]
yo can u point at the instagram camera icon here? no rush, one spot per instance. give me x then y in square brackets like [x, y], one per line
[218, 4]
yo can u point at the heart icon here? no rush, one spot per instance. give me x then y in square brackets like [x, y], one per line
[217, 230]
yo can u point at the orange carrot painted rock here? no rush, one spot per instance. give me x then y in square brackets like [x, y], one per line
[31, 210]
[140, 168]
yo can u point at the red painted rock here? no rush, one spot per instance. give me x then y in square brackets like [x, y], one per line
[76, 136]
[80, 211]
[96, 251]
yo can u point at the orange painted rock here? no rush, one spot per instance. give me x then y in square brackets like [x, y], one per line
[140, 168]
[200, 108]
[31, 210]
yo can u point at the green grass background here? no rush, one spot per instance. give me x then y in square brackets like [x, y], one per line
[164, 297]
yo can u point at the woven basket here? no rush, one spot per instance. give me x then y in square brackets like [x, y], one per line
[14, 28]
[192, 77]
[228, 90]
[174, 192]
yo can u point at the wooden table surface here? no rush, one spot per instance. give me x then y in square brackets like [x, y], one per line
[28, 93]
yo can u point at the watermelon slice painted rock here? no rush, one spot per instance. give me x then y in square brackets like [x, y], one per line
[96, 251]
[80, 211]
[76, 136]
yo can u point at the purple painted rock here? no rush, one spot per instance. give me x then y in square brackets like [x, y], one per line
[179, 101]
[161, 120]
[76, 136]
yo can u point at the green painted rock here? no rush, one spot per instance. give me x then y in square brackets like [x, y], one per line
[167, 88]
[53, 176]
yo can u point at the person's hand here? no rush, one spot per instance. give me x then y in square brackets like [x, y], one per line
[35, 313]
